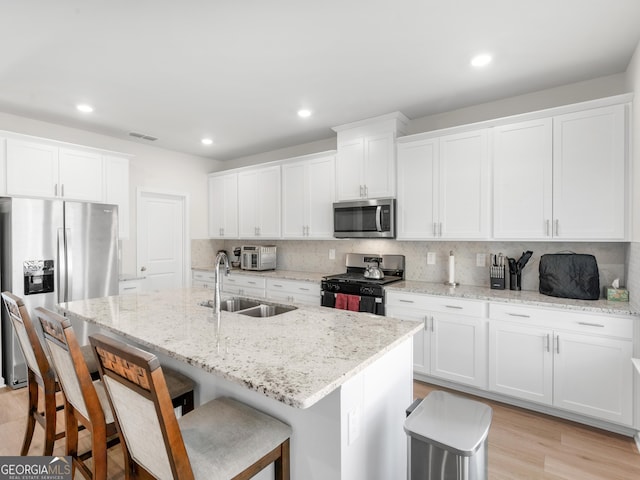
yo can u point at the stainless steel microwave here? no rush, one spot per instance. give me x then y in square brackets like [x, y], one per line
[375, 218]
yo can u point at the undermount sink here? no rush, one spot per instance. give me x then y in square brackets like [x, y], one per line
[250, 307]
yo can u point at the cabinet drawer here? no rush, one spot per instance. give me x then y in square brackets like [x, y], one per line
[294, 286]
[244, 281]
[436, 303]
[203, 276]
[564, 320]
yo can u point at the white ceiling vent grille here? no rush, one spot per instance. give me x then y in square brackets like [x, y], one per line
[143, 136]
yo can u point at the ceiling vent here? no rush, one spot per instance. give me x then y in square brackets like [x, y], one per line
[143, 136]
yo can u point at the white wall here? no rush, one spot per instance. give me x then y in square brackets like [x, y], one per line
[151, 167]
[552, 97]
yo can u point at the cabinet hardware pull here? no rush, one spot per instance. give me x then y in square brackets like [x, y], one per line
[454, 306]
[303, 289]
[426, 323]
[547, 343]
[557, 226]
[547, 227]
[361, 190]
[405, 301]
[276, 285]
[558, 344]
[587, 324]
[432, 322]
[129, 288]
[440, 229]
[251, 283]
[522, 315]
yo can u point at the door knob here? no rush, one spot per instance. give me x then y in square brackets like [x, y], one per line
[143, 269]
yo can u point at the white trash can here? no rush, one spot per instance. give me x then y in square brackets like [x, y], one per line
[448, 438]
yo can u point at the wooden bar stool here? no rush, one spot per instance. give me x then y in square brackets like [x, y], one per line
[40, 376]
[86, 403]
[220, 440]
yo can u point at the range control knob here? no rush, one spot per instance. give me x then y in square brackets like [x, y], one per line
[366, 290]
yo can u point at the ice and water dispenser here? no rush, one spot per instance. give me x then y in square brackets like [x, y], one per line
[38, 276]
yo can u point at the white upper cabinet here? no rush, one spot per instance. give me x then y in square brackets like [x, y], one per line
[32, 169]
[259, 203]
[522, 180]
[80, 175]
[589, 194]
[561, 177]
[116, 188]
[43, 170]
[443, 187]
[417, 189]
[365, 165]
[223, 205]
[3, 166]
[308, 193]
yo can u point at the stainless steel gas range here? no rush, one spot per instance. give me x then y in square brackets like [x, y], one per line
[361, 287]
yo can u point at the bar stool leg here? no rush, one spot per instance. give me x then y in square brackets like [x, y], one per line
[32, 410]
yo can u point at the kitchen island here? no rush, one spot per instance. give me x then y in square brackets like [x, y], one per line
[341, 379]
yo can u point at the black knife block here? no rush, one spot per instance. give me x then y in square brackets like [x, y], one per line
[497, 277]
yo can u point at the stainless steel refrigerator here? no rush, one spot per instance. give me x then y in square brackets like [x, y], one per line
[53, 251]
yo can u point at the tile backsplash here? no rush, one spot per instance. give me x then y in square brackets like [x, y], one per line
[313, 256]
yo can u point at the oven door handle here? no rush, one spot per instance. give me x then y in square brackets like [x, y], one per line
[379, 218]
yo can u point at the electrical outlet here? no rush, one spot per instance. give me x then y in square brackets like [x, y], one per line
[431, 258]
[332, 254]
[481, 259]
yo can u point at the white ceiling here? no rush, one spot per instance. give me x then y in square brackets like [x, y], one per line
[238, 71]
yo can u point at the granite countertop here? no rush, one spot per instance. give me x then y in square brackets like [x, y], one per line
[513, 296]
[467, 291]
[297, 357]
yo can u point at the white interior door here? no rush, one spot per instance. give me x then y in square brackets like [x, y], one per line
[162, 239]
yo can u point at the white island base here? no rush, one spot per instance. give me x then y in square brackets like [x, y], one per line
[354, 433]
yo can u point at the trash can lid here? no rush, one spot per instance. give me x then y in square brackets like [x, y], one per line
[451, 422]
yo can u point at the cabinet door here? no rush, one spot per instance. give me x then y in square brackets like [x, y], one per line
[32, 169]
[116, 186]
[521, 361]
[3, 166]
[594, 376]
[349, 170]
[321, 190]
[294, 200]
[464, 186]
[421, 361]
[589, 194]
[247, 204]
[417, 189]
[223, 206]
[379, 166]
[458, 349]
[522, 180]
[80, 175]
[269, 202]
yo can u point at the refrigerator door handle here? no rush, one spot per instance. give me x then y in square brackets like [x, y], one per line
[62, 261]
[68, 264]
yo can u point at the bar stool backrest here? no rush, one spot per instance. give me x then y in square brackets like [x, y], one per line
[136, 388]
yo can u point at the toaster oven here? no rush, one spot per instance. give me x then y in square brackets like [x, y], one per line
[258, 257]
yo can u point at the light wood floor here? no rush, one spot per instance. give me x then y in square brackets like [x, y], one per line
[522, 444]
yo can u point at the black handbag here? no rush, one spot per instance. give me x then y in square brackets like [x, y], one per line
[569, 275]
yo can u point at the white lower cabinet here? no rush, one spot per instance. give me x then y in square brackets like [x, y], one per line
[293, 291]
[452, 344]
[576, 362]
[203, 278]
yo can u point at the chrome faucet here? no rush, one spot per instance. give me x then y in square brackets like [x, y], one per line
[216, 299]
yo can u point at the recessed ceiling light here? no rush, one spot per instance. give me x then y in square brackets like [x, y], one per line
[481, 60]
[84, 108]
[304, 113]
[207, 141]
